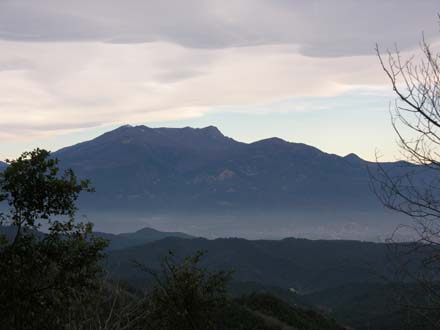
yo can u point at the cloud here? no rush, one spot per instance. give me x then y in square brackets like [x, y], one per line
[318, 27]
[63, 86]
[70, 65]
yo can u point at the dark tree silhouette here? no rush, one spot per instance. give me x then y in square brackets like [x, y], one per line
[39, 273]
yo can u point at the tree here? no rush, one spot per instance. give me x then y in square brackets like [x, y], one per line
[39, 273]
[185, 296]
[416, 191]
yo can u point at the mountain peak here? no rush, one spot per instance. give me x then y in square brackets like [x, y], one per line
[212, 131]
[353, 158]
[127, 138]
[211, 128]
[273, 140]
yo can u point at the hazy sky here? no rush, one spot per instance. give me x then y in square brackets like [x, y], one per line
[302, 70]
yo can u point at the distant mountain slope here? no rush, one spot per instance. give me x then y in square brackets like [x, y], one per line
[366, 305]
[2, 166]
[266, 312]
[361, 306]
[142, 236]
[116, 241]
[172, 169]
[304, 265]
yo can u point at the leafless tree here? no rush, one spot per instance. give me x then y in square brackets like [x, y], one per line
[112, 307]
[414, 187]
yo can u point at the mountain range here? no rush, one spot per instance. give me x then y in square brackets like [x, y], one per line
[171, 168]
[199, 181]
[115, 241]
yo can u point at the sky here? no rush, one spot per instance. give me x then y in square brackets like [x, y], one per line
[302, 70]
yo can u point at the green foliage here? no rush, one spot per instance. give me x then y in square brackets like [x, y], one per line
[40, 273]
[32, 187]
[186, 296]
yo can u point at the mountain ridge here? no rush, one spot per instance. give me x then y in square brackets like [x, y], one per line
[302, 264]
[139, 237]
[196, 163]
[116, 241]
[202, 182]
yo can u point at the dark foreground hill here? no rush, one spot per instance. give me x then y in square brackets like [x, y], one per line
[303, 265]
[349, 281]
[360, 306]
[262, 311]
